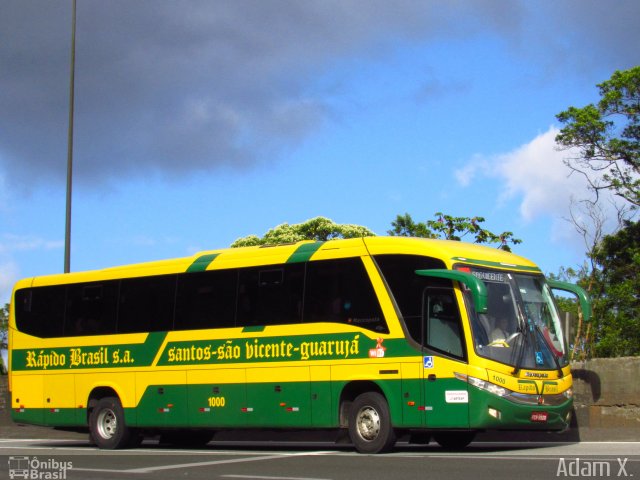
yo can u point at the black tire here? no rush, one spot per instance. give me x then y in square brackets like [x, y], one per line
[107, 426]
[370, 426]
[454, 440]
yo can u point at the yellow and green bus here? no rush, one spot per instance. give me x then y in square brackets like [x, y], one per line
[378, 337]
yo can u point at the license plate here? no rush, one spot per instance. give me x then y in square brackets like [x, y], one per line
[539, 417]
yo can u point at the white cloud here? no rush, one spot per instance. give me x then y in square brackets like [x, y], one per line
[466, 174]
[10, 245]
[534, 172]
[20, 243]
[9, 273]
[194, 86]
[535, 175]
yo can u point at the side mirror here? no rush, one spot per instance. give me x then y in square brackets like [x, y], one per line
[583, 296]
[478, 290]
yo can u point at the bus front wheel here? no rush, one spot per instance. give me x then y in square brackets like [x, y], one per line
[370, 426]
[107, 425]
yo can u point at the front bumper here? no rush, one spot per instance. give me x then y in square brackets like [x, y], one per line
[519, 412]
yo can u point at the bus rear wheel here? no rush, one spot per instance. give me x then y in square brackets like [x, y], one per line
[107, 425]
[370, 426]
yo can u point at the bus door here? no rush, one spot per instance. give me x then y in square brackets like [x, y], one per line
[446, 399]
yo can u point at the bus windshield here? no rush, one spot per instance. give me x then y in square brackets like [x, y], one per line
[521, 327]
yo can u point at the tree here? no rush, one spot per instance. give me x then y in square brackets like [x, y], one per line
[323, 229]
[319, 228]
[613, 284]
[451, 228]
[607, 137]
[618, 298]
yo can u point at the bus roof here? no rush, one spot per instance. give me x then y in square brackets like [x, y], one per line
[451, 252]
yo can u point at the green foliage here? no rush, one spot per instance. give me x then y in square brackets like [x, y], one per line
[451, 228]
[323, 229]
[580, 341]
[614, 287]
[618, 282]
[318, 228]
[607, 136]
[404, 226]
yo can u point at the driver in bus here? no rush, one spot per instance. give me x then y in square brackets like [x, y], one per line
[496, 320]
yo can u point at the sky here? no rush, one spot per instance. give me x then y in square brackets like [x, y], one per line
[199, 122]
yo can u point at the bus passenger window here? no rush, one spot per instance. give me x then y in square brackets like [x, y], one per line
[270, 295]
[442, 322]
[146, 304]
[40, 311]
[91, 309]
[206, 299]
[340, 291]
[406, 287]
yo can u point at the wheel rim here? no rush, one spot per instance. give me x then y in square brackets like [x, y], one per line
[107, 423]
[368, 423]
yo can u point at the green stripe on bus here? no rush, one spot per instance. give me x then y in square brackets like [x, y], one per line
[486, 263]
[92, 356]
[304, 252]
[294, 348]
[253, 328]
[149, 349]
[202, 262]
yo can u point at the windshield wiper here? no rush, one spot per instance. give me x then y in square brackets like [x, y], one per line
[529, 332]
[553, 355]
[522, 347]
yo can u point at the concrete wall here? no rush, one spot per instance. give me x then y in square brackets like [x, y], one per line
[606, 398]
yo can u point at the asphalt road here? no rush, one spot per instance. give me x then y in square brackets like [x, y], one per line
[74, 458]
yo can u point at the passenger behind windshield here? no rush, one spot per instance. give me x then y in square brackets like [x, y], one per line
[521, 327]
[500, 322]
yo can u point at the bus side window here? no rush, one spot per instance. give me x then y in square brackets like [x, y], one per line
[406, 287]
[442, 321]
[340, 291]
[270, 295]
[40, 311]
[146, 304]
[206, 299]
[91, 308]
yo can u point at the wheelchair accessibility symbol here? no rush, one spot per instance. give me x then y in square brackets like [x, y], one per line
[428, 362]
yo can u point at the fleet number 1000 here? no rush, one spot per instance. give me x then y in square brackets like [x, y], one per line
[216, 401]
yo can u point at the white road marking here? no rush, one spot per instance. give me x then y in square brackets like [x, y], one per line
[199, 464]
[487, 451]
[265, 477]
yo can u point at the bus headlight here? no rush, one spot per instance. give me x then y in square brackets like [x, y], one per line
[488, 386]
